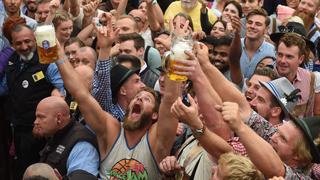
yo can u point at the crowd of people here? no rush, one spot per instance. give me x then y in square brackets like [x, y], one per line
[110, 107]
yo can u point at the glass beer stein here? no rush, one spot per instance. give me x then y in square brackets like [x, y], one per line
[179, 44]
[46, 44]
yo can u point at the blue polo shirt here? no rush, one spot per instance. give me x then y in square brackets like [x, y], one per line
[248, 66]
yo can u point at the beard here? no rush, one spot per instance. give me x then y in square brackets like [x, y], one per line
[137, 125]
[308, 19]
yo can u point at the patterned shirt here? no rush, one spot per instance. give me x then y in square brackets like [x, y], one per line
[265, 130]
[101, 90]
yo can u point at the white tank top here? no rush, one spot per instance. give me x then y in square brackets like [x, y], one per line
[136, 162]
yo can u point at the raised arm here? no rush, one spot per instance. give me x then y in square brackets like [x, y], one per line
[225, 89]
[101, 81]
[89, 12]
[121, 10]
[102, 123]
[155, 15]
[259, 150]
[210, 141]
[206, 96]
[234, 58]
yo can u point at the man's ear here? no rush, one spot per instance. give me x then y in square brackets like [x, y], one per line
[261, 3]
[123, 91]
[301, 59]
[154, 117]
[141, 52]
[276, 111]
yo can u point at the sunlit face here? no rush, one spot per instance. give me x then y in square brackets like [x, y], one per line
[42, 12]
[256, 27]
[64, 30]
[218, 30]
[253, 86]
[24, 43]
[285, 140]
[262, 102]
[140, 112]
[288, 60]
[126, 26]
[221, 57]
[229, 11]
[71, 51]
[248, 5]
[12, 6]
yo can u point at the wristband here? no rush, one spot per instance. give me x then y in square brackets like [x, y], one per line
[60, 61]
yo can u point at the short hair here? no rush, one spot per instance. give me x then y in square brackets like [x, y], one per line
[236, 4]
[60, 16]
[187, 17]
[74, 40]
[129, 17]
[135, 37]
[222, 41]
[293, 39]
[260, 12]
[266, 71]
[238, 167]
[129, 58]
[9, 24]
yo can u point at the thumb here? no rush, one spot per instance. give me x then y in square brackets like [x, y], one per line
[191, 100]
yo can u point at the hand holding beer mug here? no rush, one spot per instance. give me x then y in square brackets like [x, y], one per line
[181, 41]
[46, 44]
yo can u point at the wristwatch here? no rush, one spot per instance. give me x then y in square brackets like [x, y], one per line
[199, 132]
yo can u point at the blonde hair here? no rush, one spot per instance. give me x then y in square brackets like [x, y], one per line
[238, 167]
[61, 16]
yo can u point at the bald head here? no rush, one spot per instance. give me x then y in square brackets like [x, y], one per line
[40, 169]
[86, 75]
[55, 104]
[52, 114]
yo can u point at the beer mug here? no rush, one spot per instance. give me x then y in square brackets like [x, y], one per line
[46, 44]
[179, 44]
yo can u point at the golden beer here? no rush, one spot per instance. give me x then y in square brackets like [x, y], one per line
[177, 52]
[46, 44]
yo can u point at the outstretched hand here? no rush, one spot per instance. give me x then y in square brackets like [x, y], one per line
[188, 115]
[106, 35]
[231, 115]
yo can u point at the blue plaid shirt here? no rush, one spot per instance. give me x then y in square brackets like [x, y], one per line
[101, 90]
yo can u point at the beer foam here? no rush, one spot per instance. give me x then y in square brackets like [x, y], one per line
[179, 48]
[45, 36]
